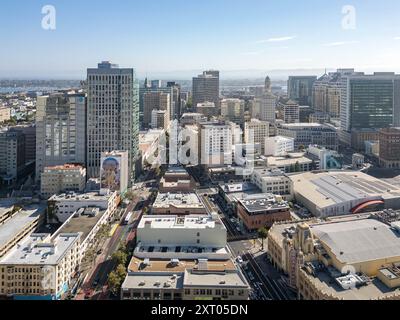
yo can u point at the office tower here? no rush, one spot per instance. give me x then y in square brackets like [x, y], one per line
[12, 155]
[268, 85]
[155, 101]
[233, 110]
[176, 100]
[206, 88]
[289, 111]
[60, 130]
[29, 131]
[368, 103]
[326, 92]
[389, 148]
[113, 115]
[259, 130]
[300, 89]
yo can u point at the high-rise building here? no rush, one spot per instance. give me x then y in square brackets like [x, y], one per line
[114, 171]
[257, 129]
[207, 109]
[60, 130]
[12, 155]
[159, 119]
[155, 101]
[113, 115]
[300, 89]
[206, 88]
[233, 110]
[176, 111]
[326, 92]
[289, 111]
[368, 103]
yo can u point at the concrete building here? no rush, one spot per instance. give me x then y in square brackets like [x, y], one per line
[333, 193]
[192, 118]
[12, 155]
[278, 146]
[289, 111]
[60, 130]
[66, 178]
[177, 179]
[208, 109]
[326, 93]
[326, 159]
[368, 103]
[183, 258]
[178, 203]
[61, 207]
[292, 162]
[215, 143]
[262, 210]
[206, 88]
[16, 223]
[113, 115]
[40, 267]
[273, 181]
[256, 131]
[389, 147]
[159, 119]
[114, 171]
[29, 131]
[160, 101]
[300, 89]
[233, 110]
[345, 258]
[5, 113]
[305, 134]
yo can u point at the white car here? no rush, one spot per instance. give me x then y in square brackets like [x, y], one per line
[239, 260]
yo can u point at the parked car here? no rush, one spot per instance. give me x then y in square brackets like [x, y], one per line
[239, 259]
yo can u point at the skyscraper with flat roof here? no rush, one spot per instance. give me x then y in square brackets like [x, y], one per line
[113, 115]
[206, 88]
[300, 89]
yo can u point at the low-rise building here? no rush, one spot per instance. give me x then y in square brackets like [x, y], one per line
[292, 162]
[65, 178]
[344, 258]
[273, 181]
[178, 203]
[183, 258]
[340, 192]
[278, 146]
[16, 223]
[40, 267]
[177, 179]
[262, 210]
[5, 113]
[62, 206]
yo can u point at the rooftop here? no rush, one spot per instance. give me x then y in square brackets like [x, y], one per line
[18, 222]
[65, 167]
[262, 202]
[71, 196]
[178, 200]
[178, 222]
[359, 240]
[40, 249]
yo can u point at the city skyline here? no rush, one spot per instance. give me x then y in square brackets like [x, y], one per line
[239, 38]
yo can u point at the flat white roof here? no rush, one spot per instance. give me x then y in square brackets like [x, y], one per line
[179, 222]
[178, 199]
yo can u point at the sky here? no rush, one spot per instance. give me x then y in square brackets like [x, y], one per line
[178, 38]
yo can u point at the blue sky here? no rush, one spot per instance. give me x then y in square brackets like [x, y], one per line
[176, 37]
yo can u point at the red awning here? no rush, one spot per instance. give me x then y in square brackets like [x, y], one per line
[364, 205]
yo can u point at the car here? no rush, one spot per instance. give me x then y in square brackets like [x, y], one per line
[238, 229]
[239, 259]
[100, 251]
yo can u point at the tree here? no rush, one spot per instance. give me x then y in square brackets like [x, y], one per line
[120, 257]
[121, 271]
[114, 281]
[263, 234]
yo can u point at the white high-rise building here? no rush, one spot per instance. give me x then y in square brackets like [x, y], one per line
[113, 115]
[216, 144]
[60, 130]
[267, 105]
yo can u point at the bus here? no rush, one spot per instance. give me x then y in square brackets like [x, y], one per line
[128, 218]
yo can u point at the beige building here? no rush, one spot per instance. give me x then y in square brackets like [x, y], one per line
[257, 129]
[5, 113]
[159, 119]
[57, 179]
[177, 180]
[178, 203]
[273, 181]
[155, 101]
[233, 110]
[40, 267]
[346, 258]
